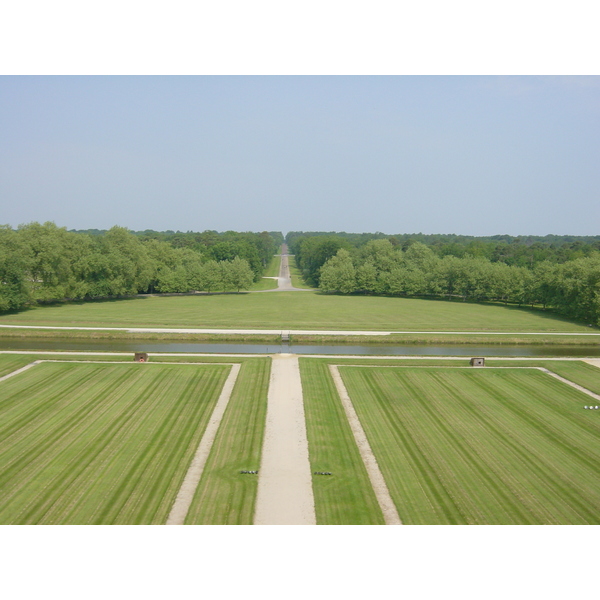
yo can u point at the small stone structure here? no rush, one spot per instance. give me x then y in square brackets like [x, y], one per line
[141, 357]
[478, 362]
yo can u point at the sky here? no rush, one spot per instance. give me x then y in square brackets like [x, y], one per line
[471, 155]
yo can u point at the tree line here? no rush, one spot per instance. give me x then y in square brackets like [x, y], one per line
[379, 267]
[313, 249]
[44, 262]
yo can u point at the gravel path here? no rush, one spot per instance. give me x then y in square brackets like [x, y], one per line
[388, 508]
[285, 495]
[284, 281]
[192, 478]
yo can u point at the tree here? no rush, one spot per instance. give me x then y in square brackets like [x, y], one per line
[210, 277]
[237, 274]
[338, 274]
[14, 291]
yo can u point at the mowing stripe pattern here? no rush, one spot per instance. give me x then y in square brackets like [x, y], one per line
[509, 446]
[101, 443]
[346, 497]
[192, 477]
[225, 496]
[380, 488]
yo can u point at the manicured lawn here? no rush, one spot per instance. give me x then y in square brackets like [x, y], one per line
[272, 270]
[295, 310]
[296, 276]
[225, 496]
[100, 443]
[12, 362]
[346, 497]
[576, 371]
[480, 446]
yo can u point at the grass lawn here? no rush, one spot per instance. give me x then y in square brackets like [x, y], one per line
[346, 497]
[576, 371]
[225, 496]
[510, 446]
[272, 270]
[296, 275]
[12, 362]
[296, 310]
[100, 443]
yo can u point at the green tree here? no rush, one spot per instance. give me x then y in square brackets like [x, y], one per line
[237, 274]
[14, 266]
[338, 274]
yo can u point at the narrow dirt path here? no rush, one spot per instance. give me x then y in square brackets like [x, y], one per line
[285, 495]
[192, 478]
[388, 508]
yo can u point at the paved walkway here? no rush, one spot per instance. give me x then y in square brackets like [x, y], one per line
[285, 495]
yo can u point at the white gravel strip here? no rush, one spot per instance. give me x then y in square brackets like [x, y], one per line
[388, 508]
[285, 495]
[35, 362]
[192, 478]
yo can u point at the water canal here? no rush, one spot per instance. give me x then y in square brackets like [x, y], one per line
[592, 350]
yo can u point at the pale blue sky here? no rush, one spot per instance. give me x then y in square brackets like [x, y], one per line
[400, 154]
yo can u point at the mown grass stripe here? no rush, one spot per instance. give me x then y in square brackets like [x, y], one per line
[192, 478]
[223, 495]
[97, 436]
[347, 497]
[78, 457]
[128, 499]
[503, 445]
[378, 483]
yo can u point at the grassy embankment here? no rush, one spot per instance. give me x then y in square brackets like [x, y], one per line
[106, 443]
[306, 310]
[458, 445]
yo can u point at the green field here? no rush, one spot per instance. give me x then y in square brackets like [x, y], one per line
[225, 496]
[111, 443]
[272, 270]
[480, 446]
[347, 497]
[108, 441]
[296, 275]
[295, 310]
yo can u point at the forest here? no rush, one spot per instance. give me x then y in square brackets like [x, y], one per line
[557, 273]
[45, 263]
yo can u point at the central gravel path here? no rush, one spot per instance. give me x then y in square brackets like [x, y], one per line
[284, 281]
[285, 495]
